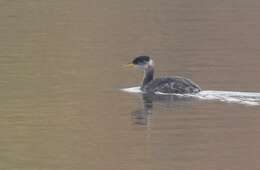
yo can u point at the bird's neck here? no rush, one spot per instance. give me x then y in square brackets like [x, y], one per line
[148, 75]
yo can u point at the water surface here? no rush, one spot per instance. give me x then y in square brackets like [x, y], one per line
[61, 75]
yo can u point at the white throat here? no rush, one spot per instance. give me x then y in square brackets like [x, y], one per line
[151, 63]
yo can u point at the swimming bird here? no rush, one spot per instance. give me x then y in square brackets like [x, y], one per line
[172, 85]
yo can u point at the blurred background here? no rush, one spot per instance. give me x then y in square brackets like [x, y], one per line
[61, 74]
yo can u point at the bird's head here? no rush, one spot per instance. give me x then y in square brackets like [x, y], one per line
[141, 62]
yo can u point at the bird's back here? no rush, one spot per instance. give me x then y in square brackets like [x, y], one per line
[177, 85]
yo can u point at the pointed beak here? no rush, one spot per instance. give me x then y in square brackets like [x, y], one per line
[129, 65]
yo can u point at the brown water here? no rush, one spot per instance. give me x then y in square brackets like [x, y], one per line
[60, 68]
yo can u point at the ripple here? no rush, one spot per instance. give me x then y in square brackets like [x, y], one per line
[247, 98]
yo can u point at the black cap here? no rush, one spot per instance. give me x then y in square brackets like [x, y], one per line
[141, 60]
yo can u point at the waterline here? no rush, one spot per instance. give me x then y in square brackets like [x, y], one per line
[247, 98]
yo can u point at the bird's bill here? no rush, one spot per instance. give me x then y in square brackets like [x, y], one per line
[129, 65]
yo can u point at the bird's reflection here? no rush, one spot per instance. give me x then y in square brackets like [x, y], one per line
[143, 115]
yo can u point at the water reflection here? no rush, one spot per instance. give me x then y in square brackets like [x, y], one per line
[143, 115]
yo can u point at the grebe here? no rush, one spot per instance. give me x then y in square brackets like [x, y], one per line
[172, 85]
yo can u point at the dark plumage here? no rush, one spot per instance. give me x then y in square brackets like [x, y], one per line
[141, 60]
[176, 85]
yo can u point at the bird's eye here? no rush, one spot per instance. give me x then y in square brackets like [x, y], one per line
[141, 60]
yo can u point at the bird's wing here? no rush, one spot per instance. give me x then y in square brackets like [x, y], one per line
[172, 85]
